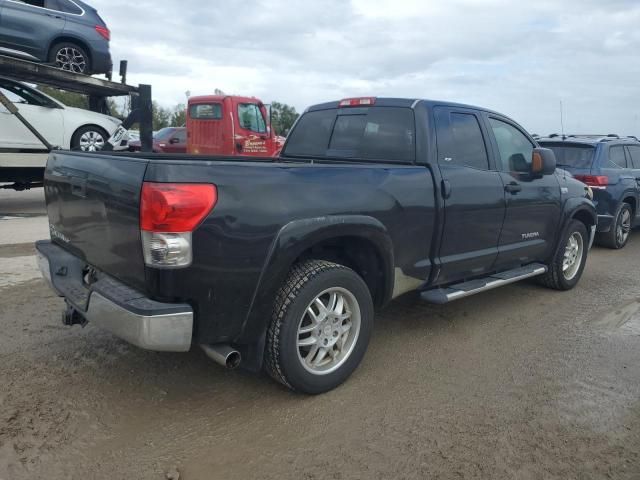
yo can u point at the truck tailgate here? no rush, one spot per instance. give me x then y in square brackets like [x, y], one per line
[93, 204]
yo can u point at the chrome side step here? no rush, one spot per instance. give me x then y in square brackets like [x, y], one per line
[466, 289]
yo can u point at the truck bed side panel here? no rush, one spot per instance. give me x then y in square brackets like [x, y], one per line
[255, 200]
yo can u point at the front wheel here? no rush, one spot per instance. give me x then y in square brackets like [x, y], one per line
[320, 329]
[89, 139]
[569, 261]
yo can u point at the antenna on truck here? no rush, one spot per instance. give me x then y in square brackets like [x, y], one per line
[562, 120]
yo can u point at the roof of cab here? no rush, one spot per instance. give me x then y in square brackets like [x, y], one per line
[401, 102]
[587, 139]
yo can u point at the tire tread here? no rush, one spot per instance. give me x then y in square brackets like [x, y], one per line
[299, 276]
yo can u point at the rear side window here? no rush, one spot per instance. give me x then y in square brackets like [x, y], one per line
[616, 157]
[382, 133]
[634, 152]
[206, 111]
[69, 7]
[460, 140]
[515, 149]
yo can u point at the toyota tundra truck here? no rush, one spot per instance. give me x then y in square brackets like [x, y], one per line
[279, 263]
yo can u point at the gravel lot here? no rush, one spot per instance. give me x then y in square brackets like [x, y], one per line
[517, 383]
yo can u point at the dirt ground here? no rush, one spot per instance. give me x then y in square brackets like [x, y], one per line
[517, 383]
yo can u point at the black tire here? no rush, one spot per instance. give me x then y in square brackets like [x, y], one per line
[555, 277]
[611, 239]
[89, 129]
[305, 282]
[71, 57]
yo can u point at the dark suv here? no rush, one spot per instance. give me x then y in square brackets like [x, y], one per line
[610, 165]
[67, 33]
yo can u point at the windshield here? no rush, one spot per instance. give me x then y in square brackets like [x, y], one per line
[573, 156]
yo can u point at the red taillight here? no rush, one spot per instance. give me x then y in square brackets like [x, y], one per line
[594, 180]
[104, 32]
[357, 102]
[175, 207]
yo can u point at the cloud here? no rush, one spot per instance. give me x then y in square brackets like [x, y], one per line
[520, 58]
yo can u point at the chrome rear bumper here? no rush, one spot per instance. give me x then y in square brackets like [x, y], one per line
[115, 307]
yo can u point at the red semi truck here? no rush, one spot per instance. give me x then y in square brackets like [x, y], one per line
[230, 125]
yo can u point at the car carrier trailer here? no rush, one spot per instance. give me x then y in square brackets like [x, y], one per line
[22, 170]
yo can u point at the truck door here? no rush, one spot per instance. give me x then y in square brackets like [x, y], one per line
[474, 199]
[533, 201]
[252, 136]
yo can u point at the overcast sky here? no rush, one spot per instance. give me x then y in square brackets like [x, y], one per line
[517, 57]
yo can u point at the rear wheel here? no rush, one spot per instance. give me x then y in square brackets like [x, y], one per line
[569, 261]
[320, 328]
[618, 235]
[70, 57]
[89, 139]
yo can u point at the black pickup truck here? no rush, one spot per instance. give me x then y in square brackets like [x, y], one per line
[280, 263]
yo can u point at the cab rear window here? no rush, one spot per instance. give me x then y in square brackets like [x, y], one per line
[206, 111]
[376, 133]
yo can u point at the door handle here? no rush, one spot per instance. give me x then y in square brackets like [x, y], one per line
[52, 15]
[446, 189]
[512, 188]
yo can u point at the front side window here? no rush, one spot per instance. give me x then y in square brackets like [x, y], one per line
[514, 148]
[206, 111]
[616, 157]
[251, 118]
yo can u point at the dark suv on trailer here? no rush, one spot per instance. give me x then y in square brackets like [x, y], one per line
[67, 33]
[610, 165]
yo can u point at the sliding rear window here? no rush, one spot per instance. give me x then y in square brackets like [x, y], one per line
[573, 156]
[385, 134]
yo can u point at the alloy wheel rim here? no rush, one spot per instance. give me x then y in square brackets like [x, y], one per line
[572, 256]
[91, 141]
[71, 59]
[624, 227]
[328, 331]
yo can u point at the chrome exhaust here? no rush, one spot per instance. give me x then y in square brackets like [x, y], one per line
[223, 354]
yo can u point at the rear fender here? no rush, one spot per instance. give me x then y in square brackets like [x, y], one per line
[291, 242]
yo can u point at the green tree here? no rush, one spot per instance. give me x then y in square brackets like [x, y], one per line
[179, 115]
[161, 116]
[282, 117]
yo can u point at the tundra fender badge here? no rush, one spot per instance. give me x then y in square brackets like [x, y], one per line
[530, 235]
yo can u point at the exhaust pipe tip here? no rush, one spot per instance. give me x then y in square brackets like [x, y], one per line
[224, 355]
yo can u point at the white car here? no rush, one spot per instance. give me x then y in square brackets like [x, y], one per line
[65, 127]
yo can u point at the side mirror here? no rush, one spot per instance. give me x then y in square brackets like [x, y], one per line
[543, 161]
[174, 140]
